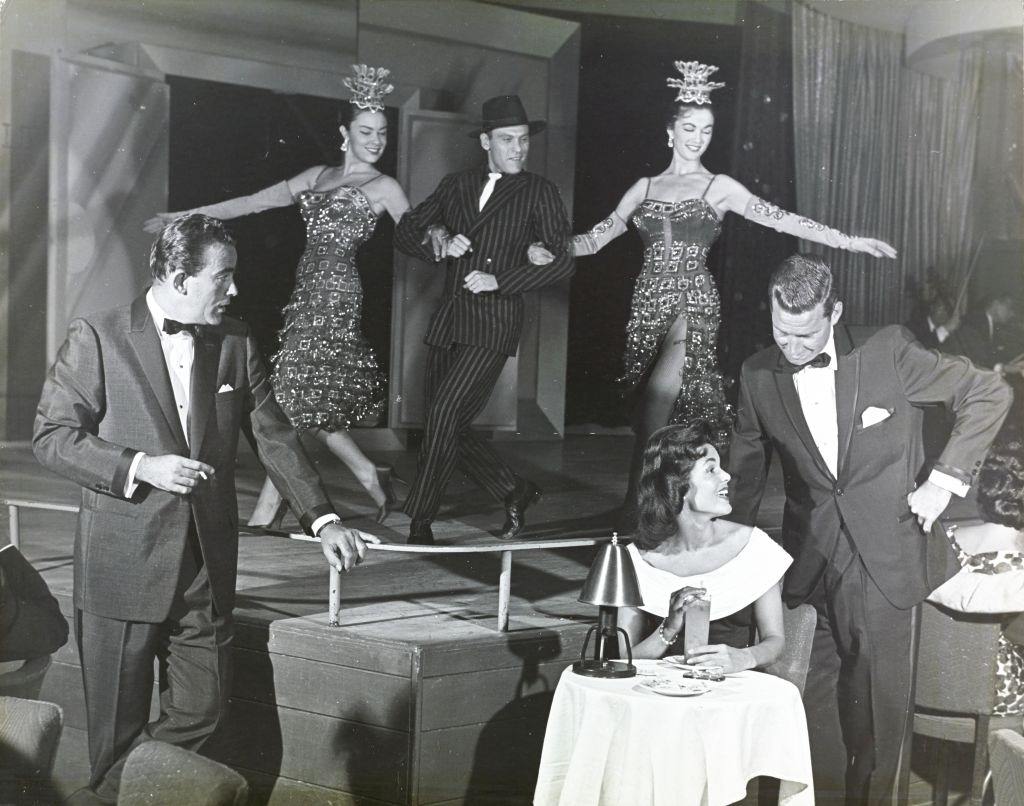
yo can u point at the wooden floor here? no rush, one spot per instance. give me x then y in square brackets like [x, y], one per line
[416, 697]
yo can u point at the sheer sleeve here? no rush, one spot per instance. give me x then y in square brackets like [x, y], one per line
[599, 236]
[279, 195]
[770, 215]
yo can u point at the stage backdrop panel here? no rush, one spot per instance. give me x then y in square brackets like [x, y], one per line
[108, 173]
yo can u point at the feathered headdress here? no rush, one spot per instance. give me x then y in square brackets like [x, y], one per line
[369, 86]
[694, 87]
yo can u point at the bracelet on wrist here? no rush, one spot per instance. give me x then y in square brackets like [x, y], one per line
[664, 638]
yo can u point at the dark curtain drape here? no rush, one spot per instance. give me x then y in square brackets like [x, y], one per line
[886, 151]
[762, 160]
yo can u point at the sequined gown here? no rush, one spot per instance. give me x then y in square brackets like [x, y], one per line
[675, 281]
[325, 374]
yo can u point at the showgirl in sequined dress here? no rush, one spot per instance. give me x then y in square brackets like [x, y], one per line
[672, 334]
[325, 374]
[326, 377]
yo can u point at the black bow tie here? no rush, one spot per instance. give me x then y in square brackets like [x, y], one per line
[172, 326]
[819, 361]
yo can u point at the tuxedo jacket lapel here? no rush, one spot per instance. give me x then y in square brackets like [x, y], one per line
[146, 343]
[204, 378]
[791, 405]
[847, 390]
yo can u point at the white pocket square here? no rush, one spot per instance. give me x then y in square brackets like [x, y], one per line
[226, 388]
[873, 415]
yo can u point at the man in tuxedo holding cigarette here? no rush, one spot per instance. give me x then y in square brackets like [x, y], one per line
[142, 408]
[841, 408]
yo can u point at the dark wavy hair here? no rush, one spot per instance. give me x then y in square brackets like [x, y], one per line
[669, 456]
[1001, 483]
[182, 244]
[675, 110]
[801, 282]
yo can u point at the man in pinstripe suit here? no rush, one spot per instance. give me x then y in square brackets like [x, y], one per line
[496, 212]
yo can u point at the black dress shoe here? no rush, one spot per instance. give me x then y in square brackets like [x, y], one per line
[420, 533]
[524, 494]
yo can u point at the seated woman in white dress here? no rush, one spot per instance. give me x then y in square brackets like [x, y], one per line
[684, 549]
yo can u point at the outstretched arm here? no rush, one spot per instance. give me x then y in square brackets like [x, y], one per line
[606, 231]
[731, 195]
[282, 194]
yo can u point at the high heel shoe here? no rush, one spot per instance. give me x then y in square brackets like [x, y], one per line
[385, 476]
[270, 509]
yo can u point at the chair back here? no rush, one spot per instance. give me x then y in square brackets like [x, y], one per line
[157, 772]
[795, 659]
[1006, 758]
[26, 680]
[29, 734]
[956, 661]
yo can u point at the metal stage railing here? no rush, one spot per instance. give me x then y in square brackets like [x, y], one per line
[505, 548]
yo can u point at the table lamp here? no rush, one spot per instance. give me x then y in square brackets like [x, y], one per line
[611, 584]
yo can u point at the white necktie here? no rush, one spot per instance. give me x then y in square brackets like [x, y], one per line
[492, 180]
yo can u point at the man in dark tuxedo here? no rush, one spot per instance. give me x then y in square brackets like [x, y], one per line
[142, 408]
[840, 407]
[495, 213]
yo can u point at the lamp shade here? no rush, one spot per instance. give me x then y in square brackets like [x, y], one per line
[612, 579]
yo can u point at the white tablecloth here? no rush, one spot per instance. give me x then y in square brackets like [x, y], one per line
[609, 743]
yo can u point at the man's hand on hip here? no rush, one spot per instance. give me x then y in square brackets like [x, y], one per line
[175, 474]
[344, 548]
[478, 281]
[928, 502]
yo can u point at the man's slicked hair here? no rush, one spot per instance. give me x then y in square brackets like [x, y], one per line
[801, 282]
[182, 244]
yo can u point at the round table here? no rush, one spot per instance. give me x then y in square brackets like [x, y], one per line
[612, 742]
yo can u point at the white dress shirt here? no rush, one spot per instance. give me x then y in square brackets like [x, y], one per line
[179, 353]
[816, 388]
[939, 331]
[492, 180]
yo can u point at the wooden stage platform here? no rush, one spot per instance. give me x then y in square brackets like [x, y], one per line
[417, 698]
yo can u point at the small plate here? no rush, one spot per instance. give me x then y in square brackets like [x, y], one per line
[676, 688]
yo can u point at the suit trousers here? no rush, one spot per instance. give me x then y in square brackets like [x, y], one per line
[193, 649]
[460, 379]
[859, 684]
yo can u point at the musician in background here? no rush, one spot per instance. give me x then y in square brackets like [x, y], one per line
[992, 337]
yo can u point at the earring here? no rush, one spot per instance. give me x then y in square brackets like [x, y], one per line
[344, 144]
[671, 140]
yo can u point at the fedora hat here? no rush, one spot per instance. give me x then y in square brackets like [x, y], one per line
[505, 110]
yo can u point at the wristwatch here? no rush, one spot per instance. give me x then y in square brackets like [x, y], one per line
[331, 519]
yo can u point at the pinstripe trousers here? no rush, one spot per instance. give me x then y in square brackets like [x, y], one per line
[460, 378]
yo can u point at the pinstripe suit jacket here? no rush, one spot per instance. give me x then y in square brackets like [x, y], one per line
[523, 208]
